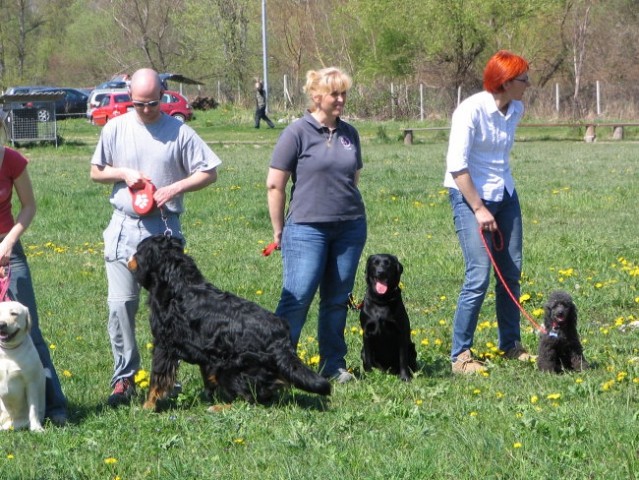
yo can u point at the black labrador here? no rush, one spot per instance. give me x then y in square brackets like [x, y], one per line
[387, 343]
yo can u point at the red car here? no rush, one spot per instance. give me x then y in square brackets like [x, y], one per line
[117, 103]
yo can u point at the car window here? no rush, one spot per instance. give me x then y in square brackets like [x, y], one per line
[168, 98]
[122, 98]
[104, 101]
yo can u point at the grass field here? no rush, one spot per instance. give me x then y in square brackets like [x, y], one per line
[580, 214]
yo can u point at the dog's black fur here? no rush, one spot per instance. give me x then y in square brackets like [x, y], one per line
[559, 347]
[242, 349]
[387, 343]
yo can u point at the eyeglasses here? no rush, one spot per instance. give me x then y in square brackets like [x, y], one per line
[152, 103]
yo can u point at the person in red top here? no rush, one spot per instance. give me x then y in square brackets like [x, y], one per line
[14, 175]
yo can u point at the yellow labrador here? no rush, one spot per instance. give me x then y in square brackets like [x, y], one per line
[22, 377]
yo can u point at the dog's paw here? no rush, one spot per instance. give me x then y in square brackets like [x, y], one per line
[36, 427]
[149, 405]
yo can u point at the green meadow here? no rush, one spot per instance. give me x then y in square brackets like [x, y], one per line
[580, 215]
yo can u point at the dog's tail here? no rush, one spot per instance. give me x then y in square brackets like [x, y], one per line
[298, 374]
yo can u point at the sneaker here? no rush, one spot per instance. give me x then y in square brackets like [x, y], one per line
[466, 364]
[343, 376]
[122, 392]
[518, 352]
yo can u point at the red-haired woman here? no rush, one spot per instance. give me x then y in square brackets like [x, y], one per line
[483, 196]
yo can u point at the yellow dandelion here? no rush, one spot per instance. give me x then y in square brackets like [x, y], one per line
[607, 385]
[598, 285]
[355, 329]
[259, 292]
[67, 373]
[473, 414]
[538, 312]
[149, 346]
[442, 322]
[10, 456]
[314, 360]
[579, 380]
[517, 445]
[52, 346]
[238, 441]
[438, 342]
[425, 342]
[476, 391]
[110, 461]
[485, 373]
[553, 396]
[524, 298]
[443, 297]
[534, 399]
[621, 376]
[419, 401]
[499, 394]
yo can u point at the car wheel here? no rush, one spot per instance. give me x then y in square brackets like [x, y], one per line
[44, 115]
[180, 117]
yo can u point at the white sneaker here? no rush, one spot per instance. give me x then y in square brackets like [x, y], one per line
[343, 376]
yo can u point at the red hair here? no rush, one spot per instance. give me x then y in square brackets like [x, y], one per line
[502, 67]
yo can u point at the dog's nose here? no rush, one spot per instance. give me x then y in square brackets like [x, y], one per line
[3, 325]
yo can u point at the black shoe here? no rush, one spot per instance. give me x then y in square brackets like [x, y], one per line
[122, 393]
[58, 419]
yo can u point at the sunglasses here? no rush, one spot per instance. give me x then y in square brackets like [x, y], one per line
[523, 80]
[152, 103]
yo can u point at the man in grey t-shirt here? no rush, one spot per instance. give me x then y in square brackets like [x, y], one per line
[140, 146]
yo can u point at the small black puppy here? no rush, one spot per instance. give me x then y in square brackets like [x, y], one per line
[387, 343]
[559, 347]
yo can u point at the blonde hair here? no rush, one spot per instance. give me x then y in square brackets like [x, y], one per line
[326, 80]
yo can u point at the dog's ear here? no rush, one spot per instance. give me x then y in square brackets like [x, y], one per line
[573, 312]
[28, 318]
[400, 268]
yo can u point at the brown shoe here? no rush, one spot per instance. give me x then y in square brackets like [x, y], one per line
[466, 364]
[518, 352]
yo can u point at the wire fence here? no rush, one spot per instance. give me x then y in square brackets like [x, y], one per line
[420, 102]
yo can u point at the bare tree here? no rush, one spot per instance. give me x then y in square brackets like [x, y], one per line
[149, 24]
[579, 43]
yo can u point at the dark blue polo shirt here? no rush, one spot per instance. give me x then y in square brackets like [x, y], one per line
[322, 165]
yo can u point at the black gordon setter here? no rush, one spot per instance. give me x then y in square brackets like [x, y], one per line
[387, 343]
[242, 349]
[559, 347]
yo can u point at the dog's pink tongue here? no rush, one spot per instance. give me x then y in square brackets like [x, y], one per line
[381, 288]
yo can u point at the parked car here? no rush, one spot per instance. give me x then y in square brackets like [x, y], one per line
[176, 105]
[96, 96]
[119, 102]
[111, 105]
[72, 102]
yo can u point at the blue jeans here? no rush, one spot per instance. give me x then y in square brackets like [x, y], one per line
[21, 290]
[507, 214]
[324, 256]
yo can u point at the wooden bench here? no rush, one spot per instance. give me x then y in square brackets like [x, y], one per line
[589, 137]
[408, 133]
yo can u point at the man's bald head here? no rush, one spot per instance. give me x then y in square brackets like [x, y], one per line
[146, 83]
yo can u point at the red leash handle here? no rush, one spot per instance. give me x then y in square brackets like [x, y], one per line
[501, 278]
[5, 280]
[270, 248]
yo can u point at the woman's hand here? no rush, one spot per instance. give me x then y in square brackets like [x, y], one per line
[485, 219]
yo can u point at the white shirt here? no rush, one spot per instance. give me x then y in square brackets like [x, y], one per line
[481, 138]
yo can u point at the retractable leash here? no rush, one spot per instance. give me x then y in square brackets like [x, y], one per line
[501, 278]
[4, 284]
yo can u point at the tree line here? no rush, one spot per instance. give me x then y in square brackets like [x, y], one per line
[436, 43]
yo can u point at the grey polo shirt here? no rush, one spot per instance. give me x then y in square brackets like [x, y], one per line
[322, 166]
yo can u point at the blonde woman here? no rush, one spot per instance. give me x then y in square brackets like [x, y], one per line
[322, 230]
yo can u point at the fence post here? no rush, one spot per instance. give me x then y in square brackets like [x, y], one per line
[458, 95]
[598, 98]
[557, 97]
[421, 102]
